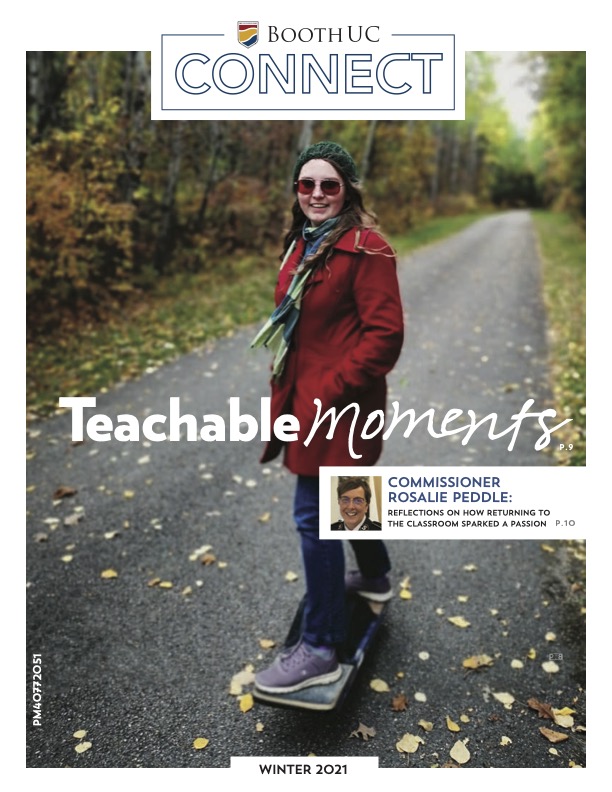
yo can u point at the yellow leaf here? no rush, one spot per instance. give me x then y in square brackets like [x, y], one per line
[379, 685]
[264, 517]
[548, 548]
[239, 680]
[200, 742]
[405, 594]
[405, 583]
[267, 643]
[79, 734]
[291, 577]
[451, 725]
[505, 741]
[507, 699]
[464, 719]
[460, 753]
[166, 584]
[532, 654]
[128, 494]
[462, 598]
[82, 747]
[553, 736]
[67, 558]
[477, 661]
[107, 574]
[154, 582]
[259, 726]
[426, 725]
[458, 621]
[550, 636]
[550, 667]
[246, 702]
[409, 743]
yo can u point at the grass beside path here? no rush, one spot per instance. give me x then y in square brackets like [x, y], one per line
[562, 247]
[186, 311]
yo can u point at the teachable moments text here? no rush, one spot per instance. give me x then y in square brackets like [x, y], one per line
[245, 427]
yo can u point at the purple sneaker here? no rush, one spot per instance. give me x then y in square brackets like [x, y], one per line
[297, 668]
[376, 589]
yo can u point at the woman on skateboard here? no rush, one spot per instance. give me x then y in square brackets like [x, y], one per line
[336, 332]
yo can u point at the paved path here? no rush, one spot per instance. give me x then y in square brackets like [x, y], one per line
[146, 669]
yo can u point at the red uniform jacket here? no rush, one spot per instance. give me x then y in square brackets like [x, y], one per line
[348, 337]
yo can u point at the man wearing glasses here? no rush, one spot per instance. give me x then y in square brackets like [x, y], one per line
[354, 496]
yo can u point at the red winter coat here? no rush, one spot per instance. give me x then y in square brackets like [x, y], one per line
[348, 337]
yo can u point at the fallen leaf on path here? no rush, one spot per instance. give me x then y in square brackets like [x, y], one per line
[460, 753]
[267, 643]
[451, 725]
[208, 559]
[379, 685]
[459, 621]
[73, 519]
[79, 734]
[399, 703]
[365, 732]
[550, 636]
[246, 702]
[420, 697]
[470, 568]
[553, 736]
[405, 594]
[199, 552]
[516, 663]
[550, 667]
[505, 741]
[291, 577]
[82, 747]
[200, 742]
[64, 492]
[241, 679]
[426, 725]
[409, 743]
[259, 727]
[507, 699]
[107, 574]
[543, 710]
[477, 661]
[563, 717]
[265, 517]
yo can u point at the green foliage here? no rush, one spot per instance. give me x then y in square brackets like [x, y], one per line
[563, 247]
[558, 150]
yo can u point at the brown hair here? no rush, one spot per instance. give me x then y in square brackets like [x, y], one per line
[346, 484]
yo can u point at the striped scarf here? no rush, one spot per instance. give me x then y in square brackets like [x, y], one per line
[277, 332]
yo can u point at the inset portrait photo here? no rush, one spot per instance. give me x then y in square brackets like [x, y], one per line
[356, 503]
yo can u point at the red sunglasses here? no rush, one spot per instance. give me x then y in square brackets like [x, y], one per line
[329, 186]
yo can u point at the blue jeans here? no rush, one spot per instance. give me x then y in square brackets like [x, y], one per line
[324, 615]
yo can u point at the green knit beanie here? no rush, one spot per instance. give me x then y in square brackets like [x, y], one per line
[334, 153]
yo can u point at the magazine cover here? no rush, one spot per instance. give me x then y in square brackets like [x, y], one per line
[305, 395]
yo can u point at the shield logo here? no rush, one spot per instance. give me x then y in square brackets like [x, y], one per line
[248, 33]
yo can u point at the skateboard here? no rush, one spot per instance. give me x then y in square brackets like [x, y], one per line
[364, 618]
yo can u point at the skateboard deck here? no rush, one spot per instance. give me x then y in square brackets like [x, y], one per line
[364, 618]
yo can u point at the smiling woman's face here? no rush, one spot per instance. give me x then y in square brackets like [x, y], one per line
[318, 206]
